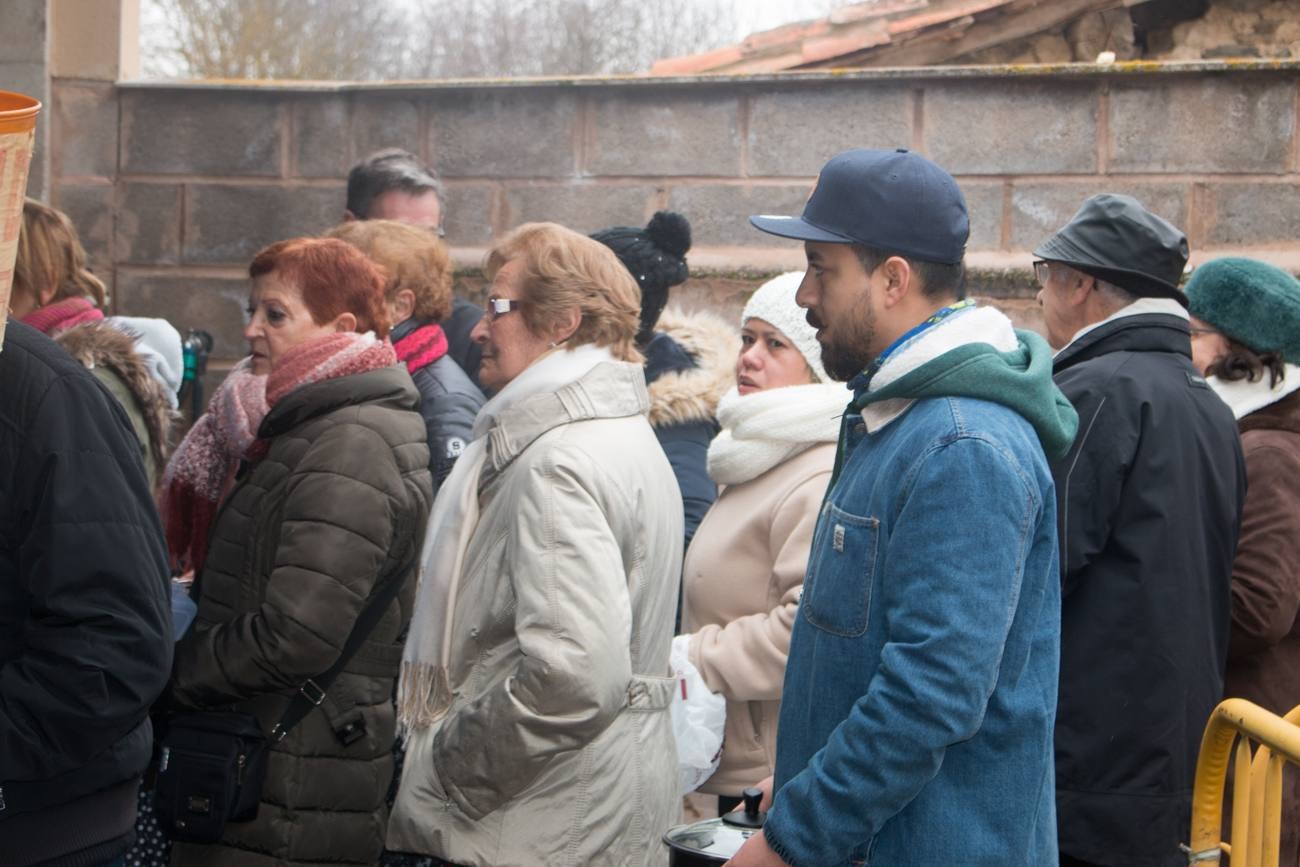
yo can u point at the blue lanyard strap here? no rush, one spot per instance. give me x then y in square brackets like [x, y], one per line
[928, 323]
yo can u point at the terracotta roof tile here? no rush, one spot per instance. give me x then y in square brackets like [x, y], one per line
[768, 63]
[693, 63]
[943, 16]
[879, 9]
[818, 50]
[790, 34]
[853, 32]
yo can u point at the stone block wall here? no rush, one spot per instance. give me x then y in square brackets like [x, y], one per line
[1239, 28]
[174, 187]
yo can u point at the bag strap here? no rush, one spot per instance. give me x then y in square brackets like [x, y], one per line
[312, 692]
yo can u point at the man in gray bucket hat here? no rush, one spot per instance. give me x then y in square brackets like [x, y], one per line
[1149, 505]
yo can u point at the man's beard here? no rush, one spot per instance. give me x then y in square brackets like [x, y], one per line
[846, 345]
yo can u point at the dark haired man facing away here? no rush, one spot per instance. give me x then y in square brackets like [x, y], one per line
[393, 184]
[916, 717]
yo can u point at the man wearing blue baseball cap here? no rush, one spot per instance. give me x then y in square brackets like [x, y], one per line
[916, 716]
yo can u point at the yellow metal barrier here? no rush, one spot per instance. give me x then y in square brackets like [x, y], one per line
[1256, 788]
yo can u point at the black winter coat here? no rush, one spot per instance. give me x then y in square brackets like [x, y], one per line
[85, 612]
[457, 326]
[684, 438]
[449, 401]
[1149, 504]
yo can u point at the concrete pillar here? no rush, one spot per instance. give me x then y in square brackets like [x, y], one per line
[40, 40]
[97, 40]
[92, 44]
[24, 67]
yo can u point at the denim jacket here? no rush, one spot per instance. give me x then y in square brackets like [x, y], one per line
[920, 692]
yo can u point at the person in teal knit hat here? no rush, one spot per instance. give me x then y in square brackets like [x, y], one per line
[920, 689]
[1245, 320]
[1246, 340]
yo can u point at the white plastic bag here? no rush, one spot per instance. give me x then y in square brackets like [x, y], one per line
[699, 718]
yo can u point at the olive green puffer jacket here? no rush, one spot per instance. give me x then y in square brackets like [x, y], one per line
[338, 504]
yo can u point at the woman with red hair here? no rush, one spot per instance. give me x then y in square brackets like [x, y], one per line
[326, 510]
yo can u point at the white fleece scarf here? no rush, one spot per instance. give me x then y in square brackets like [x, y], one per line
[767, 428]
[424, 692]
[1244, 397]
[1140, 307]
[972, 325]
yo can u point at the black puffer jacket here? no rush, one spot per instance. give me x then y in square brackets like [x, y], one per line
[463, 350]
[1149, 504]
[689, 365]
[85, 616]
[449, 401]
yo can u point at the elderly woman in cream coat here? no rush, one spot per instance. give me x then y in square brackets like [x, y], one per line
[744, 571]
[535, 684]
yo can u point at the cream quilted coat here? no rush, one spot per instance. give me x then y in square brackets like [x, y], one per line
[558, 747]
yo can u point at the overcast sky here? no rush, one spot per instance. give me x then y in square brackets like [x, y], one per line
[751, 16]
[755, 15]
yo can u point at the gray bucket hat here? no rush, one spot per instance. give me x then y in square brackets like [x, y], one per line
[1114, 238]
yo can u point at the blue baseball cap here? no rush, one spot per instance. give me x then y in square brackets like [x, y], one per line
[893, 200]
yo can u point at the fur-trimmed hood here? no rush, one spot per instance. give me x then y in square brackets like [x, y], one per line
[690, 393]
[100, 344]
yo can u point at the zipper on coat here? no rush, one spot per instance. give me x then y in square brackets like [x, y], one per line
[240, 764]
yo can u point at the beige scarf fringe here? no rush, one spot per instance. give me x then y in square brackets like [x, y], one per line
[425, 696]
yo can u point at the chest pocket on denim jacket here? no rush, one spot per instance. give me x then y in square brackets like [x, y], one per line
[837, 592]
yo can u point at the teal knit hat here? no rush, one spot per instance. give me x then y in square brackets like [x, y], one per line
[1250, 301]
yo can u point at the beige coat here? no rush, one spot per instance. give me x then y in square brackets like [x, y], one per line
[744, 573]
[558, 747]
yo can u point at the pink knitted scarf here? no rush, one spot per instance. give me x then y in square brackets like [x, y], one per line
[421, 347]
[202, 471]
[62, 315]
[341, 354]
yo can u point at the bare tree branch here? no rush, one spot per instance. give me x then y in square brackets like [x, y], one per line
[369, 40]
[313, 39]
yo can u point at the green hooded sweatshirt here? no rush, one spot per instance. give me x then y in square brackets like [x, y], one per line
[1020, 380]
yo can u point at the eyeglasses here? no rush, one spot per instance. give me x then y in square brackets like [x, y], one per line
[1042, 271]
[1196, 331]
[498, 307]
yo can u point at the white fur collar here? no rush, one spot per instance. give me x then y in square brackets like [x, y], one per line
[553, 369]
[973, 325]
[1142, 306]
[1244, 397]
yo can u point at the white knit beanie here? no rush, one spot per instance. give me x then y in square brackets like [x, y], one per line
[773, 302]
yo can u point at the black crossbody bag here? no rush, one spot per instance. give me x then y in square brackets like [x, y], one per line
[213, 763]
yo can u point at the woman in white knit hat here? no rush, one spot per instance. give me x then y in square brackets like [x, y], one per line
[744, 570]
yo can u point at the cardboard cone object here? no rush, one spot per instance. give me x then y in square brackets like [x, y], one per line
[17, 139]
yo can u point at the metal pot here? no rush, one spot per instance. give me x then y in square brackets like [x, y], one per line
[715, 841]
